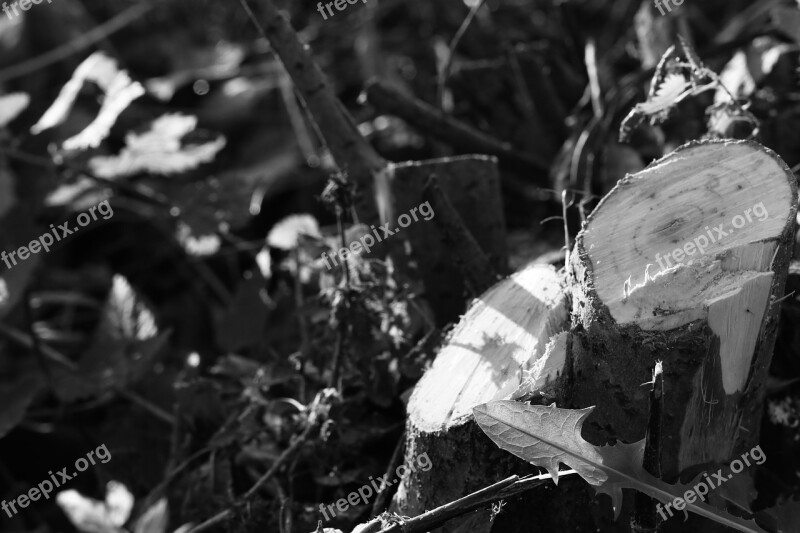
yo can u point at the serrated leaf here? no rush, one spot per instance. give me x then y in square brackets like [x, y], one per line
[547, 436]
[120, 90]
[11, 105]
[667, 95]
[158, 150]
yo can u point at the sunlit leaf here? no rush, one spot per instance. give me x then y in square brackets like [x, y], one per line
[92, 516]
[119, 91]
[158, 150]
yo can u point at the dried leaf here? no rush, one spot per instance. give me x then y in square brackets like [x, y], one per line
[119, 90]
[158, 150]
[667, 95]
[11, 105]
[547, 436]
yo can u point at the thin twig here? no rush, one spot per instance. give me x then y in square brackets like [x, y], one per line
[452, 131]
[394, 462]
[444, 71]
[352, 153]
[503, 489]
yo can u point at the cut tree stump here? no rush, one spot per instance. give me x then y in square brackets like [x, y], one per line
[683, 263]
[504, 332]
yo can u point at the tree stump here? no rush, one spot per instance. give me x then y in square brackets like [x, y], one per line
[504, 332]
[682, 263]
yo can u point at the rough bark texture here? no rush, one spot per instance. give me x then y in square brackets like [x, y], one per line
[697, 318]
[473, 186]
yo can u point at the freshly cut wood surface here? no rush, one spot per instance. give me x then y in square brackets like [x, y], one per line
[502, 334]
[682, 263]
[731, 202]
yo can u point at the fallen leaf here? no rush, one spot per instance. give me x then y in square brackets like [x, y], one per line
[547, 436]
